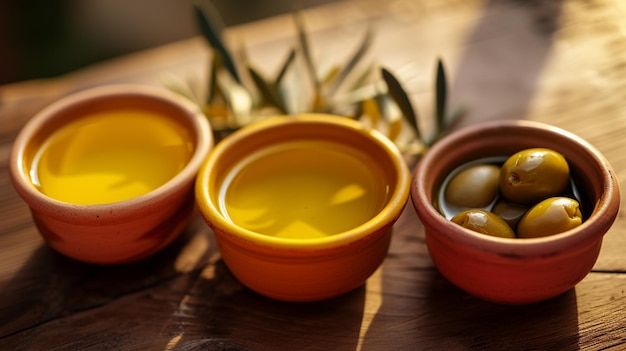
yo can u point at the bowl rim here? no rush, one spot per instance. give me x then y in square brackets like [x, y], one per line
[602, 216]
[388, 214]
[139, 205]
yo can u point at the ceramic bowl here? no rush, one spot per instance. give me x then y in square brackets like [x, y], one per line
[68, 164]
[302, 207]
[515, 271]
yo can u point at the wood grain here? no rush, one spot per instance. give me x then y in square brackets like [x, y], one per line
[560, 62]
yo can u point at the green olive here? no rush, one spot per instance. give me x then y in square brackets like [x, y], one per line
[484, 222]
[509, 211]
[532, 175]
[473, 187]
[550, 216]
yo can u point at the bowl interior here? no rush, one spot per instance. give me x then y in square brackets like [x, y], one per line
[355, 178]
[170, 163]
[589, 170]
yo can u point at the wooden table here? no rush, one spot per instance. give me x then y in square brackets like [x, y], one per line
[560, 62]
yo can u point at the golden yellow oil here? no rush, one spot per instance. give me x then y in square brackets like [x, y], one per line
[304, 189]
[111, 156]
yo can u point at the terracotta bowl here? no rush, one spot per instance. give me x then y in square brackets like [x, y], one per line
[109, 232]
[302, 207]
[515, 271]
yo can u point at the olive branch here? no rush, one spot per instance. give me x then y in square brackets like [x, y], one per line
[238, 95]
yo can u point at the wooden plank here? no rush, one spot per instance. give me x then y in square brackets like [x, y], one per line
[558, 62]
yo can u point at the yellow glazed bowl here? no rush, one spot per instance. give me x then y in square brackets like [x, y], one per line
[108, 173]
[302, 207]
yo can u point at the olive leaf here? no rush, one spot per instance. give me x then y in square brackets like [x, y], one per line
[441, 95]
[276, 86]
[213, 89]
[306, 52]
[176, 85]
[380, 103]
[281, 74]
[401, 99]
[445, 116]
[237, 97]
[268, 91]
[354, 60]
[392, 115]
[211, 27]
[455, 114]
[363, 77]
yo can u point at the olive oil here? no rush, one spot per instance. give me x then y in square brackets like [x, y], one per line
[111, 156]
[304, 189]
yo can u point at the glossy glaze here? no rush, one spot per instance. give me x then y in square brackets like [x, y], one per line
[115, 232]
[301, 268]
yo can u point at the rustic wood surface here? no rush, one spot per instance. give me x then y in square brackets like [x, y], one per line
[560, 62]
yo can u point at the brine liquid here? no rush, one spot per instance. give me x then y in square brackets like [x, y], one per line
[449, 210]
[112, 156]
[304, 189]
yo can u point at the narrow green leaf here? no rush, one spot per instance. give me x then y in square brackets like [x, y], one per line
[441, 96]
[268, 91]
[211, 27]
[175, 84]
[238, 99]
[392, 114]
[402, 100]
[363, 77]
[455, 114]
[304, 45]
[213, 92]
[281, 74]
[354, 60]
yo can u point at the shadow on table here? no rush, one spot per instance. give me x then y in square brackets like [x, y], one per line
[505, 54]
[52, 297]
[420, 309]
[163, 302]
[151, 302]
[445, 317]
[224, 315]
[497, 78]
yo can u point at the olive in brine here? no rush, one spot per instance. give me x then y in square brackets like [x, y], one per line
[473, 187]
[532, 175]
[484, 222]
[511, 212]
[551, 216]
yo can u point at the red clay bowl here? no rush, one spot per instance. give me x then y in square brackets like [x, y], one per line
[515, 271]
[302, 207]
[83, 196]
